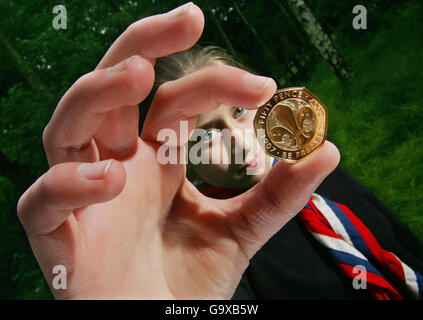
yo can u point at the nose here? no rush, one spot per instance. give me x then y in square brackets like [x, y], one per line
[241, 144]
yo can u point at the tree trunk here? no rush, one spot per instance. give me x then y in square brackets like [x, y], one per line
[25, 70]
[319, 38]
[299, 60]
[276, 69]
[221, 31]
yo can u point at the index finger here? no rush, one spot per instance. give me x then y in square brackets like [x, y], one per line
[157, 36]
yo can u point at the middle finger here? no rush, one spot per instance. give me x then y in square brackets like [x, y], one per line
[82, 110]
[157, 36]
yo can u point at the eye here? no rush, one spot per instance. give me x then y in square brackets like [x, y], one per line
[239, 112]
[209, 134]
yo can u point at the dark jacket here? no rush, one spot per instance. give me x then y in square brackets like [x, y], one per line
[293, 265]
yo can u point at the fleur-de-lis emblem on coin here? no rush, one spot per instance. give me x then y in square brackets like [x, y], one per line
[291, 125]
[296, 129]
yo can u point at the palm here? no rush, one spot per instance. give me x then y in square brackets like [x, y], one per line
[184, 252]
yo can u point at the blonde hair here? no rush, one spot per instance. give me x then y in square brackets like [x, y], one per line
[180, 64]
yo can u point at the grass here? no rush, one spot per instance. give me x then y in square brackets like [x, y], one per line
[377, 120]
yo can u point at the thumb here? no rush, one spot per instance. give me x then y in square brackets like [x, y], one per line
[46, 209]
[264, 209]
[65, 187]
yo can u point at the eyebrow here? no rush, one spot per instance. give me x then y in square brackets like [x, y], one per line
[210, 124]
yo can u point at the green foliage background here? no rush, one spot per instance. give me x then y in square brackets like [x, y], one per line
[376, 120]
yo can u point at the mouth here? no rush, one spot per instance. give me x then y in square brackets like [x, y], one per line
[251, 163]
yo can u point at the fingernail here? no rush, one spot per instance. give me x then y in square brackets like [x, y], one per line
[257, 82]
[95, 170]
[179, 11]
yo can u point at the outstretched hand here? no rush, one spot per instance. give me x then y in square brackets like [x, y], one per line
[132, 228]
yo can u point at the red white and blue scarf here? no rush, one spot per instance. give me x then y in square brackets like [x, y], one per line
[352, 246]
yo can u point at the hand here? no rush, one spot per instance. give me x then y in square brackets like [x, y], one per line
[132, 228]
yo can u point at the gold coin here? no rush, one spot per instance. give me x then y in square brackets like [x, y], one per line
[291, 125]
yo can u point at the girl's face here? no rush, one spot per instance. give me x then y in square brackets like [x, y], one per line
[237, 162]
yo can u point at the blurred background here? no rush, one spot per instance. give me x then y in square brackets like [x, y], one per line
[369, 79]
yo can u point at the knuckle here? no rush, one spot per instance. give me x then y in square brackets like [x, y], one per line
[133, 31]
[20, 209]
[46, 136]
[271, 198]
[132, 81]
[218, 69]
[31, 199]
[217, 72]
[131, 28]
[137, 81]
[47, 186]
[161, 93]
[83, 83]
